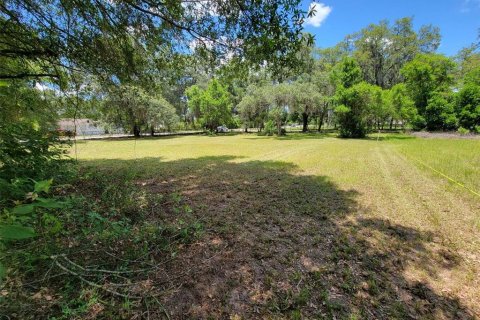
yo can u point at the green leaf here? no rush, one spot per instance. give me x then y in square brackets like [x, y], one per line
[23, 209]
[15, 232]
[49, 203]
[43, 186]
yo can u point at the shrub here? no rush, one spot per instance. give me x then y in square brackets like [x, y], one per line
[463, 131]
[270, 128]
[33, 213]
[356, 108]
[440, 114]
[28, 153]
[350, 126]
[418, 123]
[468, 106]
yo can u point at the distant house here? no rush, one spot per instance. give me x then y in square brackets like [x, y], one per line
[84, 127]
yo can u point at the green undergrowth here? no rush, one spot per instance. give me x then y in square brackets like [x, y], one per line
[94, 251]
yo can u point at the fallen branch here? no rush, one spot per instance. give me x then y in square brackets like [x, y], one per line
[93, 284]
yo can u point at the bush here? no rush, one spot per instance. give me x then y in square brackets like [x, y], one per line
[468, 106]
[350, 125]
[450, 122]
[357, 105]
[463, 131]
[440, 114]
[270, 128]
[28, 153]
[418, 123]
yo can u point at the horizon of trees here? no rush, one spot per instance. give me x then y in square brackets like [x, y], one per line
[386, 75]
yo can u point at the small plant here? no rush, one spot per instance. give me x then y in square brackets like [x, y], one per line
[463, 131]
[19, 222]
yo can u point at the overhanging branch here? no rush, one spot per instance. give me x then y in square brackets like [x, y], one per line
[28, 75]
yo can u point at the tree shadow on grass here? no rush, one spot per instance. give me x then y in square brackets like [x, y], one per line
[280, 244]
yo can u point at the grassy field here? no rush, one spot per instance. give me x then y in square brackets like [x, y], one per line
[314, 226]
[305, 226]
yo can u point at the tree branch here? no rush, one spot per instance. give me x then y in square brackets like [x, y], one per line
[28, 75]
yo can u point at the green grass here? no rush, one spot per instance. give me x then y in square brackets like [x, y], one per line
[457, 158]
[242, 226]
[389, 192]
[316, 154]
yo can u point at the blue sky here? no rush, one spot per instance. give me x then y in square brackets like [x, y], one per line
[459, 20]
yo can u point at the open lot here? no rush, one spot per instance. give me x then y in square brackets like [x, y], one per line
[311, 225]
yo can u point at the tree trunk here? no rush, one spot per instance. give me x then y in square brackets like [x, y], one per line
[279, 128]
[305, 122]
[320, 121]
[391, 124]
[152, 131]
[136, 130]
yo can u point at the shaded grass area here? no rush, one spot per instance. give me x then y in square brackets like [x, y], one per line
[246, 228]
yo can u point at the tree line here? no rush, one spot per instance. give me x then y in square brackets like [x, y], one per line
[385, 76]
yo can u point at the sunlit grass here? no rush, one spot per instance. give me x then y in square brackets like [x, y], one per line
[458, 159]
[343, 160]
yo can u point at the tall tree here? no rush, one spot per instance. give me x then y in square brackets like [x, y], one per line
[134, 109]
[213, 105]
[403, 106]
[426, 74]
[347, 73]
[468, 101]
[382, 49]
[253, 108]
[305, 99]
[194, 101]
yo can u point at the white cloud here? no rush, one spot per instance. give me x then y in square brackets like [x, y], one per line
[41, 87]
[320, 13]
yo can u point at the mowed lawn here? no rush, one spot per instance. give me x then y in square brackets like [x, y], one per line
[314, 226]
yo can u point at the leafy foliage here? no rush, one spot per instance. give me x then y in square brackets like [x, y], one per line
[26, 151]
[355, 108]
[126, 40]
[425, 75]
[133, 108]
[212, 106]
[383, 49]
[31, 216]
[440, 113]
